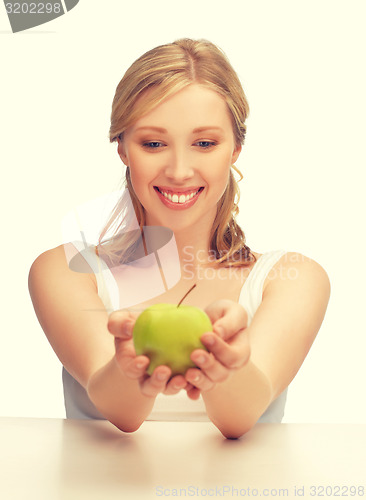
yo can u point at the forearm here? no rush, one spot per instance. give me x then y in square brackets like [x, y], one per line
[119, 398]
[236, 404]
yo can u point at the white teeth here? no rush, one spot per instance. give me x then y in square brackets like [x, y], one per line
[178, 199]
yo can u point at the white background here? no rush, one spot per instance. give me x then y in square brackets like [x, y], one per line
[302, 68]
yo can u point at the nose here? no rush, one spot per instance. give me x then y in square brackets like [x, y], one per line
[179, 166]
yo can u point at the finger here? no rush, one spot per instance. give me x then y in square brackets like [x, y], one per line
[233, 354]
[227, 317]
[209, 365]
[175, 385]
[125, 350]
[121, 323]
[131, 365]
[193, 392]
[198, 379]
[135, 368]
[155, 384]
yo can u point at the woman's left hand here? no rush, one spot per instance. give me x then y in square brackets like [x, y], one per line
[228, 347]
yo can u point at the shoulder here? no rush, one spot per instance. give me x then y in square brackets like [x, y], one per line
[50, 260]
[297, 271]
[54, 265]
[70, 312]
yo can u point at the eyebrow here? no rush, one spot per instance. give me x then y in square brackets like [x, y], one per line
[195, 131]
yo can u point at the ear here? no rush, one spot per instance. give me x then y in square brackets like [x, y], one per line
[236, 153]
[122, 152]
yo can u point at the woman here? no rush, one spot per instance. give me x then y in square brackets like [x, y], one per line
[178, 117]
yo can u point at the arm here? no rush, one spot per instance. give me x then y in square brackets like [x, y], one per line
[75, 322]
[279, 338]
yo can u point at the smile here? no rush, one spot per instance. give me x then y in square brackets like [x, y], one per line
[176, 199]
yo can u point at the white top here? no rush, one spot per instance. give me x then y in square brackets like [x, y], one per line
[179, 406]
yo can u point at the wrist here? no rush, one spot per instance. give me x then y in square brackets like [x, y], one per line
[118, 398]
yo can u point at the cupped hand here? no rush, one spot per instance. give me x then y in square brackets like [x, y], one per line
[120, 325]
[228, 346]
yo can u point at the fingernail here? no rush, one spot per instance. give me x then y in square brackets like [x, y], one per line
[161, 376]
[200, 360]
[140, 364]
[180, 385]
[209, 340]
[127, 329]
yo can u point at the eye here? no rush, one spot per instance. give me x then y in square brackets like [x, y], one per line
[152, 144]
[206, 144]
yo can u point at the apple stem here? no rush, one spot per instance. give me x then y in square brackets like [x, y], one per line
[189, 291]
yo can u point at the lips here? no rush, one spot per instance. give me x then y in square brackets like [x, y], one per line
[178, 199]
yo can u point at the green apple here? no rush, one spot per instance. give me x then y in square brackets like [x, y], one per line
[167, 334]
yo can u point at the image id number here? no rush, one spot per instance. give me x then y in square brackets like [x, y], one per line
[33, 8]
[337, 491]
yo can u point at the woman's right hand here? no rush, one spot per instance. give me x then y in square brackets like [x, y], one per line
[120, 325]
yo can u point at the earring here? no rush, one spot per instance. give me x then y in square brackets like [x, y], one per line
[238, 172]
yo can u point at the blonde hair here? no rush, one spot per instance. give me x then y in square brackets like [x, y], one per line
[163, 71]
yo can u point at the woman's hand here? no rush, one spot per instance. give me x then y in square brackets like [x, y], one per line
[228, 346]
[120, 325]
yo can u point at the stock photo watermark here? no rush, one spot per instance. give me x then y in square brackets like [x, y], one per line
[154, 248]
[196, 264]
[231, 491]
[25, 14]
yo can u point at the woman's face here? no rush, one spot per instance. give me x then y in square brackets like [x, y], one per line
[179, 156]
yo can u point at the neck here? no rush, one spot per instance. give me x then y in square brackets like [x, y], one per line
[193, 245]
[193, 252]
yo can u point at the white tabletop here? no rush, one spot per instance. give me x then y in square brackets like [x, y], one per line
[77, 459]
